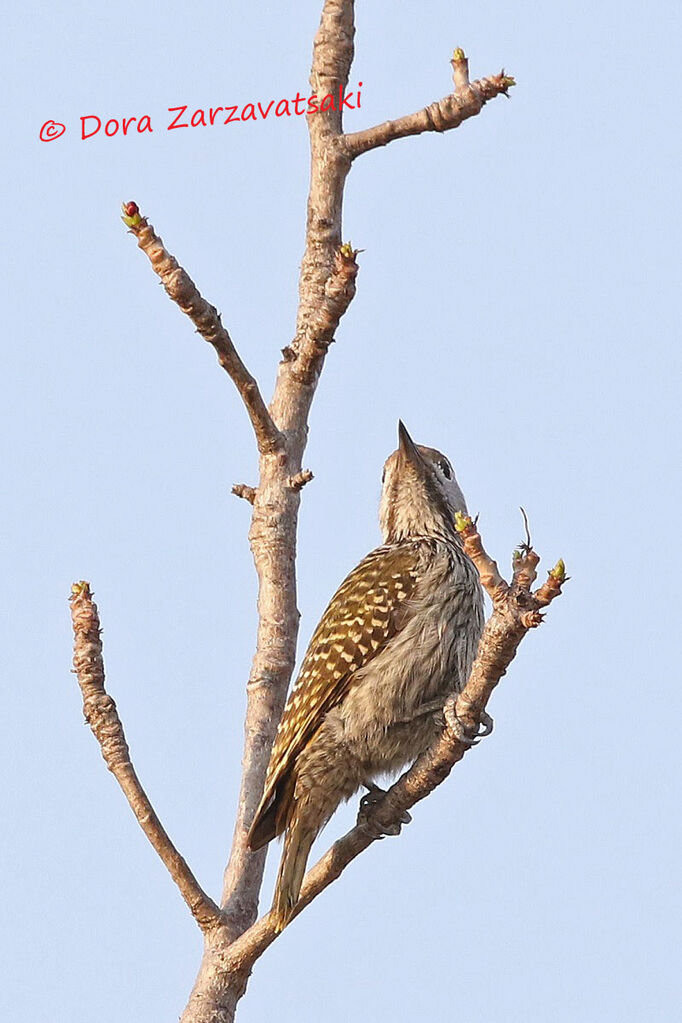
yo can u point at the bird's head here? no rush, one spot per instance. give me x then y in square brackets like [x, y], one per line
[420, 493]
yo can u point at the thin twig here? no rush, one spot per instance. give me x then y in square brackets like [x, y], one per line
[556, 577]
[102, 716]
[299, 480]
[528, 543]
[495, 586]
[447, 113]
[460, 69]
[245, 491]
[206, 318]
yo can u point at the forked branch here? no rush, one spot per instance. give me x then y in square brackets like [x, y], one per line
[466, 101]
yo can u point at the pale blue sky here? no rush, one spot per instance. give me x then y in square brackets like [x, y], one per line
[518, 306]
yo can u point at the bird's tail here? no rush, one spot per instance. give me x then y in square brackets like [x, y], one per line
[297, 843]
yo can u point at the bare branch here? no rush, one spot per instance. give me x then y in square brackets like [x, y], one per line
[310, 346]
[524, 563]
[551, 588]
[491, 580]
[245, 491]
[443, 115]
[180, 287]
[298, 481]
[508, 624]
[102, 716]
[326, 286]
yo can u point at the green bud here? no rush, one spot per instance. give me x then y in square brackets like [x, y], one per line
[559, 571]
[462, 522]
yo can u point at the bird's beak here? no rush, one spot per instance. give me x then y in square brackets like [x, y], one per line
[407, 448]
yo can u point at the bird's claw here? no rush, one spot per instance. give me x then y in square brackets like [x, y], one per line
[462, 733]
[465, 736]
[373, 827]
[486, 725]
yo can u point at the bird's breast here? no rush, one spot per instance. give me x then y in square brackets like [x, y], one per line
[429, 657]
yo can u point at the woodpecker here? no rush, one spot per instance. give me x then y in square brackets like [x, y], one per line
[399, 635]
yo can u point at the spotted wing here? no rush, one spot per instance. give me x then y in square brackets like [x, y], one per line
[362, 616]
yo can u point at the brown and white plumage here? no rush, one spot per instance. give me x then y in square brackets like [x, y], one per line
[398, 636]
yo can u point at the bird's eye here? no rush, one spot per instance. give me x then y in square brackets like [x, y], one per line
[446, 469]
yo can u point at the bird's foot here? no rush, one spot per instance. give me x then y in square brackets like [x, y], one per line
[372, 827]
[465, 735]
